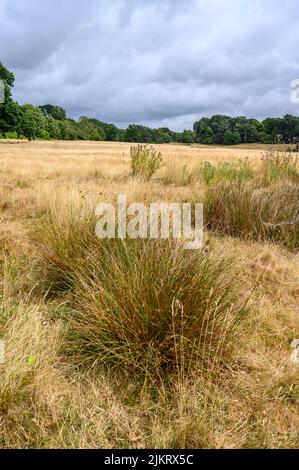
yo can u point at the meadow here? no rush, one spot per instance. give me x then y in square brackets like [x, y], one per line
[142, 344]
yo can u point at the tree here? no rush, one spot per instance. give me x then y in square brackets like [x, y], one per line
[237, 138]
[231, 138]
[121, 135]
[55, 112]
[85, 128]
[207, 136]
[162, 137]
[68, 129]
[134, 134]
[188, 137]
[43, 134]
[10, 117]
[33, 123]
[265, 138]
[54, 128]
[7, 76]
[90, 129]
[109, 131]
[8, 110]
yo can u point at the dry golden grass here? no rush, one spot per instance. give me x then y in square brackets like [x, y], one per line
[46, 402]
[57, 159]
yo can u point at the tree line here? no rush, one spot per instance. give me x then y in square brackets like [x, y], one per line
[51, 122]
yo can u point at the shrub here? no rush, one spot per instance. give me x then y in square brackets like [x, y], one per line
[141, 305]
[44, 135]
[11, 135]
[145, 161]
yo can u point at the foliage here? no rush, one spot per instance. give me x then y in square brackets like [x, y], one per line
[54, 128]
[231, 138]
[225, 130]
[145, 161]
[10, 135]
[226, 172]
[33, 123]
[56, 112]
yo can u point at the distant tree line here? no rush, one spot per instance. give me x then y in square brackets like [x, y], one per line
[225, 130]
[51, 122]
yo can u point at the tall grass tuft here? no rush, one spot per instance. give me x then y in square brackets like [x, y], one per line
[144, 306]
[277, 165]
[145, 161]
[249, 212]
[239, 172]
[62, 238]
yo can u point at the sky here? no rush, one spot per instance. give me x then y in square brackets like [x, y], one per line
[153, 62]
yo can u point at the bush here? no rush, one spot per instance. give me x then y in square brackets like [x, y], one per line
[145, 161]
[140, 305]
[44, 135]
[11, 135]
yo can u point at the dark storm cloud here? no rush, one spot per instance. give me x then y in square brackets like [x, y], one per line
[157, 62]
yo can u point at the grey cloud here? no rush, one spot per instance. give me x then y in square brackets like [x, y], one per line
[153, 62]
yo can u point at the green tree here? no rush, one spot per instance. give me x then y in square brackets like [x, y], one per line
[237, 138]
[134, 134]
[68, 129]
[231, 138]
[162, 137]
[8, 110]
[33, 123]
[188, 137]
[54, 128]
[55, 112]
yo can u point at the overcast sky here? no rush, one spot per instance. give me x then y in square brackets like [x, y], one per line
[155, 62]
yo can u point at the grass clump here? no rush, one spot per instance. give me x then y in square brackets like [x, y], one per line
[145, 161]
[226, 172]
[141, 305]
[249, 212]
[278, 165]
[181, 176]
[62, 238]
[153, 310]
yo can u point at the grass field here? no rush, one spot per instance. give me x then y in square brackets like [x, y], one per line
[142, 345]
